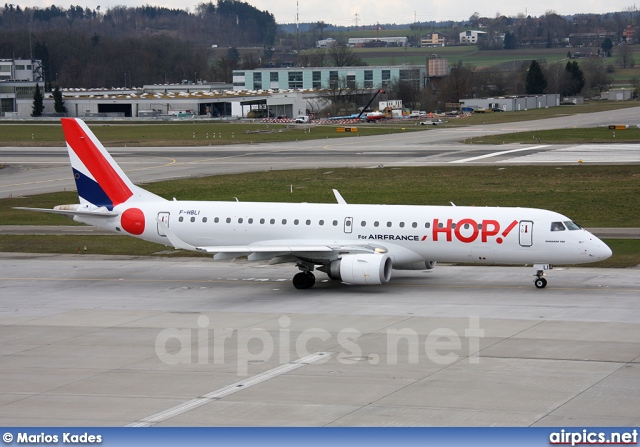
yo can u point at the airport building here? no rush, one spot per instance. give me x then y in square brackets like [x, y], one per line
[512, 103]
[316, 78]
[618, 94]
[21, 70]
[167, 102]
[18, 79]
[259, 93]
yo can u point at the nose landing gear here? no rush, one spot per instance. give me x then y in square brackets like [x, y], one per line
[540, 282]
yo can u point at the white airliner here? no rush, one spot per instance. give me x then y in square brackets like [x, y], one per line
[355, 244]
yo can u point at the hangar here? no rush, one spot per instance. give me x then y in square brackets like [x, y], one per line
[513, 103]
[177, 100]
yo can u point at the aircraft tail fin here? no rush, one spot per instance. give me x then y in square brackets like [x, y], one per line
[99, 179]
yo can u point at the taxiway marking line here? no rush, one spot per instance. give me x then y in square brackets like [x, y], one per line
[70, 178]
[227, 390]
[496, 154]
[279, 281]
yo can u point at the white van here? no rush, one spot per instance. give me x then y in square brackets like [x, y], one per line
[302, 119]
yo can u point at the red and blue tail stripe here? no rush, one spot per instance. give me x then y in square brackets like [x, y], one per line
[98, 178]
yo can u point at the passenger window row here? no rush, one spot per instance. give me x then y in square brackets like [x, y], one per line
[335, 223]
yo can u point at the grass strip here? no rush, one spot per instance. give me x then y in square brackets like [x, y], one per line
[189, 134]
[563, 136]
[594, 196]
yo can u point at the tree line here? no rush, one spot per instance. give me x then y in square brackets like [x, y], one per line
[502, 32]
[549, 30]
[121, 46]
[572, 78]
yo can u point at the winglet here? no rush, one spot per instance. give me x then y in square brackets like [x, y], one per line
[339, 198]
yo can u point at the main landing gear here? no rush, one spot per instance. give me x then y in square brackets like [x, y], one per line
[540, 282]
[305, 279]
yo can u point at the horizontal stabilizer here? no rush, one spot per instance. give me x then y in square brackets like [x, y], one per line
[96, 213]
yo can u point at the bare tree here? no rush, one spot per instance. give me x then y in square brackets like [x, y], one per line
[405, 91]
[427, 99]
[345, 96]
[624, 58]
[304, 59]
[250, 61]
[515, 77]
[458, 85]
[474, 19]
[343, 56]
[489, 82]
[319, 57]
[224, 69]
[556, 77]
[595, 74]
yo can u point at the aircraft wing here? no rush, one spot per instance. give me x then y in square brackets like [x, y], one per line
[255, 248]
[271, 249]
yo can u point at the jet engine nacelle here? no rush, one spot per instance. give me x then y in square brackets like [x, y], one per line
[361, 269]
[422, 265]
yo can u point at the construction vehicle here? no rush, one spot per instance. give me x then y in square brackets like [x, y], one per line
[367, 106]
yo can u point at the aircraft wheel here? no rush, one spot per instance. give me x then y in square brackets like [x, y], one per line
[304, 280]
[311, 278]
[540, 283]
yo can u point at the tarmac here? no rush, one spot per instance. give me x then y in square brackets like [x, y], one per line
[119, 341]
[89, 340]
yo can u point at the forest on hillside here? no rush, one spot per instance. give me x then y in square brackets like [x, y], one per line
[92, 48]
[132, 46]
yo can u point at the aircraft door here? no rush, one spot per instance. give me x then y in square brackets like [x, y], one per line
[164, 218]
[526, 233]
[348, 224]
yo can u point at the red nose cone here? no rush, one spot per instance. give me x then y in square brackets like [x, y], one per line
[132, 221]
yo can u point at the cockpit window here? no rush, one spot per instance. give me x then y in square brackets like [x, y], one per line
[557, 226]
[572, 225]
